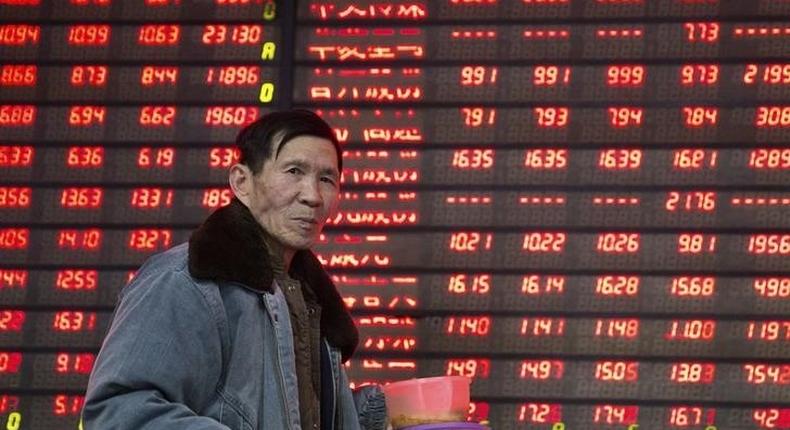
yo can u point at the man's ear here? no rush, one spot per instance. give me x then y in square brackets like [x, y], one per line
[241, 179]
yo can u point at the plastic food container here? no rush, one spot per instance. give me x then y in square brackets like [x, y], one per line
[427, 400]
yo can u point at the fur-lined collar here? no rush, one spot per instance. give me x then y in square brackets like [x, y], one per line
[229, 246]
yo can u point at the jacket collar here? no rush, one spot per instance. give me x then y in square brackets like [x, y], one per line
[230, 246]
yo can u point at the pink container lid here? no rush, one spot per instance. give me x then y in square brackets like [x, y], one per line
[448, 426]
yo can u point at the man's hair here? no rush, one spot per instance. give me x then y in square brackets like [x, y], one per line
[256, 142]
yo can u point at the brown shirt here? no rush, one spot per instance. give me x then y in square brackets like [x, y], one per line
[305, 325]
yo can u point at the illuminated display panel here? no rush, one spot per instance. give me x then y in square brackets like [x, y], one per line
[582, 205]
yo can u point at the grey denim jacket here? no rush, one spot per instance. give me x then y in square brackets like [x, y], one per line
[184, 352]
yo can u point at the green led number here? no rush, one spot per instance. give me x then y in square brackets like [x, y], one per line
[269, 10]
[267, 51]
[267, 92]
[14, 420]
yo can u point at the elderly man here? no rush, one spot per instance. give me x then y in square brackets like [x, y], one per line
[241, 328]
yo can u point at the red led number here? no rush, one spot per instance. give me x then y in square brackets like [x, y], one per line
[85, 157]
[151, 198]
[468, 326]
[157, 116]
[71, 363]
[16, 156]
[547, 76]
[693, 286]
[13, 278]
[86, 116]
[692, 330]
[618, 243]
[624, 117]
[15, 197]
[17, 115]
[552, 117]
[769, 158]
[473, 159]
[475, 117]
[617, 286]
[699, 74]
[74, 321]
[159, 35]
[770, 74]
[155, 157]
[696, 116]
[687, 416]
[696, 243]
[81, 198]
[620, 159]
[694, 159]
[158, 75]
[150, 239]
[692, 373]
[476, 76]
[540, 413]
[95, 76]
[542, 369]
[88, 240]
[544, 242]
[758, 374]
[19, 75]
[90, 2]
[234, 116]
[9, 404]
[76, 280]
[768, 331]
[10, 362]
[772, 116]
[627, 328]
[769, 244]
[469, 284]
[617, 371]
[242, 34]
[702, 32]
[14, 238]
[64, 405]
[233, 75]
[772, 418]
[19, 34]
[11, 320]
[214, 198]
[470, 241]
[625, 75]
[690, 201]
[471, 368]
[89, 35]
[548, 159]
[223, 157]
[772, 287]
[533, 285]
[614, 414]
[543, 327]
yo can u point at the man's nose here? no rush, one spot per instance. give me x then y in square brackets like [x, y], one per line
[310, 194]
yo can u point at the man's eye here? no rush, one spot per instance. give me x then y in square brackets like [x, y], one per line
[328, 180]
[294, 170]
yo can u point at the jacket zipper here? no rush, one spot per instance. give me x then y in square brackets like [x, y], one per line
[334, 386]
[279, 368]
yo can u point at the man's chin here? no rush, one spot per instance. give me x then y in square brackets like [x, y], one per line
[301, 245]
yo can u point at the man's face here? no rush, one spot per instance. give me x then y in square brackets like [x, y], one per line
[296, 191]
